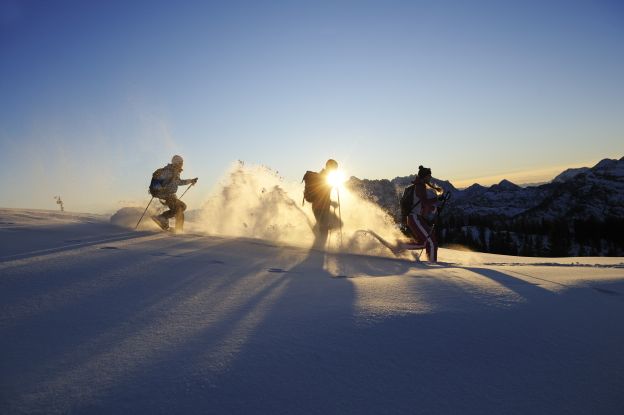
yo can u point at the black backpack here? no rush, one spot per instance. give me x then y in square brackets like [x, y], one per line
[313, 184]
[407, 202]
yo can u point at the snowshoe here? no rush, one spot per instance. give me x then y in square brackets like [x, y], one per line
[161, 222]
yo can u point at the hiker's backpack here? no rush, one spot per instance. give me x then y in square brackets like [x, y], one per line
[313, 185]
[407, 202]
[160, 179]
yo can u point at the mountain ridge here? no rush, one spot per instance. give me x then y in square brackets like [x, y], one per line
[576, 202]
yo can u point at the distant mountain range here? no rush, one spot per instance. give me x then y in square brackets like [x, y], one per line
[583, 200]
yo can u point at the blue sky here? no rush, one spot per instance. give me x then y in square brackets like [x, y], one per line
[96, 95]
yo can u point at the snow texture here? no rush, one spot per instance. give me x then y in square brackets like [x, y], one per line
[97, 318]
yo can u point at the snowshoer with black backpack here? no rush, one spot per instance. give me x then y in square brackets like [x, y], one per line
[317, 191]
[418, 210]
[164, 185]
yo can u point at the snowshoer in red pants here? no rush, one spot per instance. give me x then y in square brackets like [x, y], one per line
[420, 217]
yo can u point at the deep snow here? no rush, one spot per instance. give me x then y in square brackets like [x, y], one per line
[96, 318]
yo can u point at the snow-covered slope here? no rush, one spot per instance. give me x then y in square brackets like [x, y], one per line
[96, 318]
[569, 174]
[597, 193]
[586, 193]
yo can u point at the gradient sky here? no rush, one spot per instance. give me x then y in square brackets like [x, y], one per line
[94, 96]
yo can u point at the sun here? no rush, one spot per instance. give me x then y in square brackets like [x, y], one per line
[336, 178]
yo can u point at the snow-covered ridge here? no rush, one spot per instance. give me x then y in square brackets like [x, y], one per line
[569, 174]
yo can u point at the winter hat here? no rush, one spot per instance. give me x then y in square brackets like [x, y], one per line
[423, 171]
[331, 164]
[177, 160]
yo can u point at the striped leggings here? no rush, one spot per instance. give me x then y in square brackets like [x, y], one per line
[421, 231]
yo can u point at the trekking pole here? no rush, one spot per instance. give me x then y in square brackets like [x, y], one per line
[446, 197]
[339, 215]
[148, 205]
[419, 254]
[187, 189]
[328, 242]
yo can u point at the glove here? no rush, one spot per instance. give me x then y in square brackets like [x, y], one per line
[333, 204]
[194, 180]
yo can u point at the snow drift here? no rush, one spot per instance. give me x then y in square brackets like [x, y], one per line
[128, 217]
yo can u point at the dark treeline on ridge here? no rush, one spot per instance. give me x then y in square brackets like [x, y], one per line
[542, 237]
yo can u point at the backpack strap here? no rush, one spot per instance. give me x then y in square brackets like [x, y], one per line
[414, 204]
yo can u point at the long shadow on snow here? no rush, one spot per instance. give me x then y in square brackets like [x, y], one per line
[59, 282]
[30, 241]
[372, 266]
[187, 378]
[304, 352]
[190, 367]
[527, 290]
[302, 326]
[538, 356]
[53, 348]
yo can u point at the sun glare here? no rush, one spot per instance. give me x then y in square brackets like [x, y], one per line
[336, 178]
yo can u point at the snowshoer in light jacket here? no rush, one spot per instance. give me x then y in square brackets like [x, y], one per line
[165, 182]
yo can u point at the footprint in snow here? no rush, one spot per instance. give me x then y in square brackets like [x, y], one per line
[166, 254]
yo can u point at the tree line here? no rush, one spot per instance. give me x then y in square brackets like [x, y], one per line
[534, 237]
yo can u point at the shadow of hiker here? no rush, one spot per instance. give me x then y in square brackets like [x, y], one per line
[525, 289]
[296, 347]
[352, 266]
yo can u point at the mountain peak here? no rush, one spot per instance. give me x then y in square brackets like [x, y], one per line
[505, 185]
[569, 174]
[605, 163]
[474, 188]
[609, 167]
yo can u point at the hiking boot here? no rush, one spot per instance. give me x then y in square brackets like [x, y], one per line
[161, 222]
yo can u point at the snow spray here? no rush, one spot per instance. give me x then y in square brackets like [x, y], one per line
[253, 201]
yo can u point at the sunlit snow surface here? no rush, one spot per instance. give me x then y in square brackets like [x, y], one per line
[96, 318]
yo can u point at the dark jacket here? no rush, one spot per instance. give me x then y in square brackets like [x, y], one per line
[322, 200]
[427, 203]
